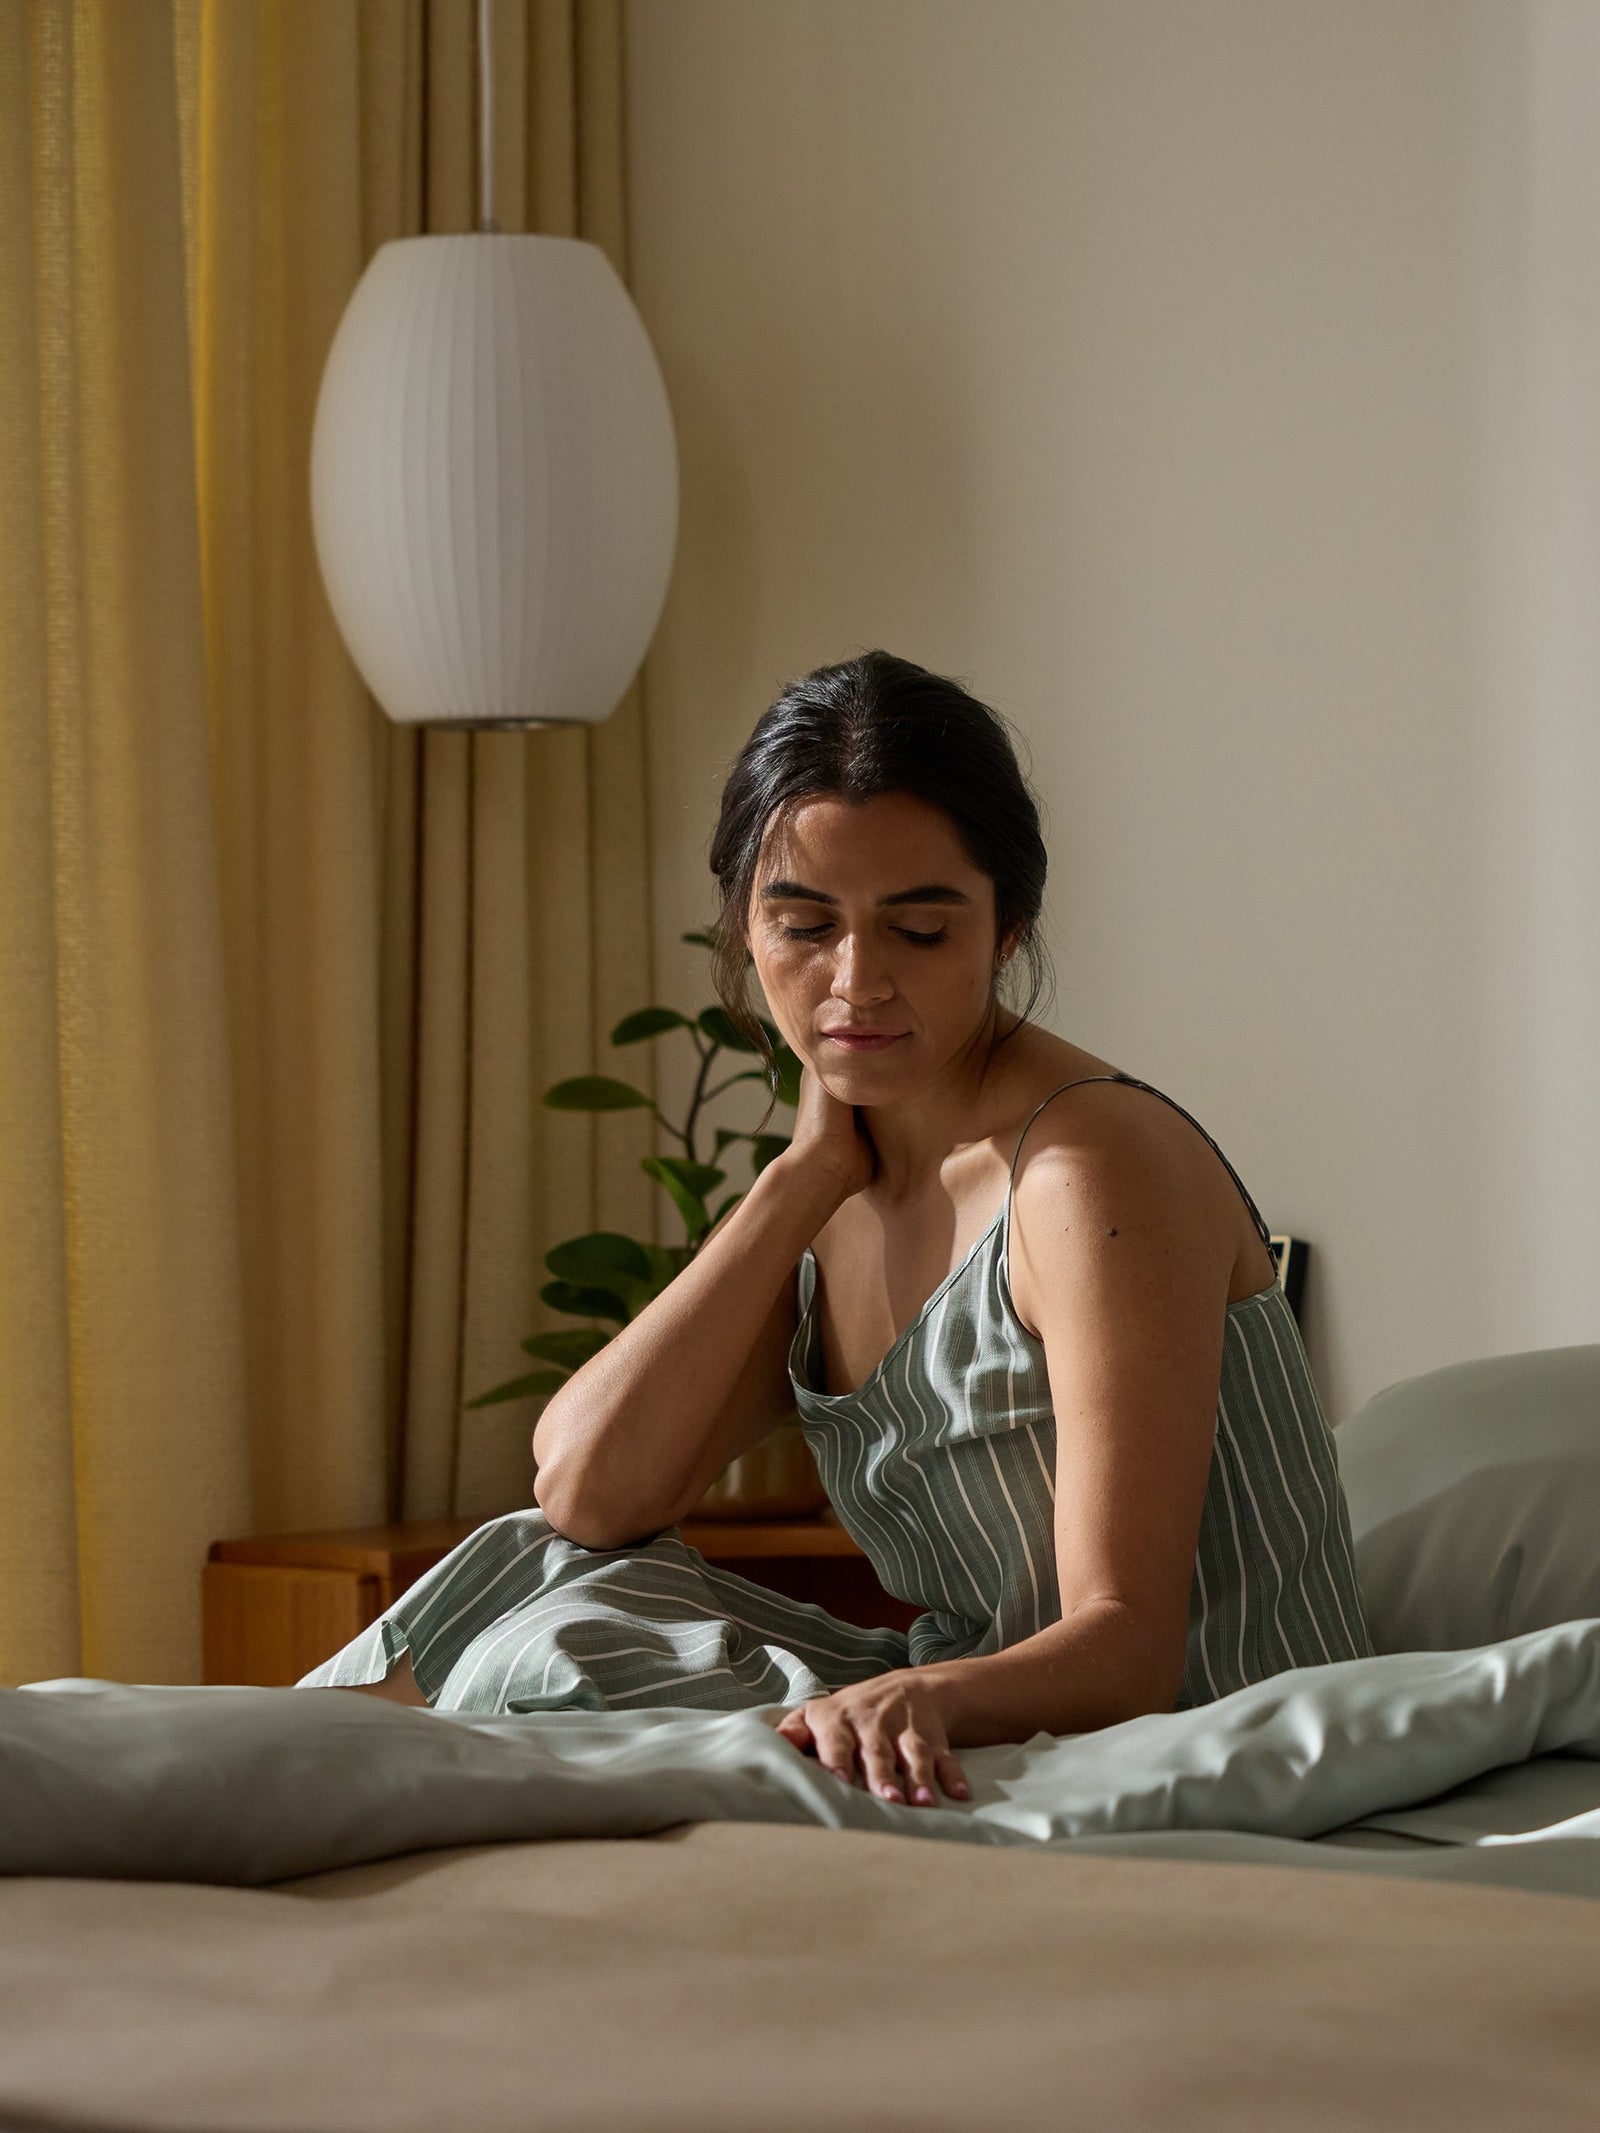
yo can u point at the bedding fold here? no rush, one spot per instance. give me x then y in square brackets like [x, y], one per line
[250, 1786]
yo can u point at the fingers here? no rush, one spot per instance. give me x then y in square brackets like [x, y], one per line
[794, 1727]
[836, 1743]
[952, 1777]
[883, 1773]
[928, 1765]
[843, 1740]
[918, 1758]
[925, 1767]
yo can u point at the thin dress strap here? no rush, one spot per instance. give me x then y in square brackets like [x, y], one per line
[1266, 1234]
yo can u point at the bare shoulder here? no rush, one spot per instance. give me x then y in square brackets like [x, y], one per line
[1085, 1107]
[1110, 1132]
[1112, 1171]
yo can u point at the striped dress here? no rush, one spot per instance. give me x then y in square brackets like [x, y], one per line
[941, 1465]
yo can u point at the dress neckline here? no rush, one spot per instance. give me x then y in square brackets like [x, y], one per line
[808, 1316]
[999, 1223]
[901, 1338]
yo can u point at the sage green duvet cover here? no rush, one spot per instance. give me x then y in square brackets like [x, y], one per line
[1477, 1765]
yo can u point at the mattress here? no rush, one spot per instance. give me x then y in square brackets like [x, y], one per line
[735, 1975]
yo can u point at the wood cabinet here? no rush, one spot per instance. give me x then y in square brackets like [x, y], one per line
[275, 1607]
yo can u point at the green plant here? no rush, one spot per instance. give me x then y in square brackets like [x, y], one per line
[606, 1275]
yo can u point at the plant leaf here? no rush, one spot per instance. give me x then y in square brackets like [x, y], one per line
[765, 1148]
[726, 1136]
[698, 940]
[667, 1262]
[571, 1346]
[697, 1177]
[596, 1092]
[749, 1074]
[648, 1022]
[788, 1089]
[598, 1258]
[732, 1200]
[519, 1388]
[721, 1028]
[585, 1302]
[689, 1203]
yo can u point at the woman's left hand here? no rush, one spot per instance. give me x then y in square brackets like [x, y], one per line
[889, 1723]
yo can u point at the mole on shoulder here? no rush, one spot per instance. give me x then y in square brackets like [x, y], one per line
[1111, 1233]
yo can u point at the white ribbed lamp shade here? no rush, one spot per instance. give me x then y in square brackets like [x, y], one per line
[494, 482]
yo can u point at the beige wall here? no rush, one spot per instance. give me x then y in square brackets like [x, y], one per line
[1217, 390]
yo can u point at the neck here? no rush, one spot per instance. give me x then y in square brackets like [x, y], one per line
[913, 1137]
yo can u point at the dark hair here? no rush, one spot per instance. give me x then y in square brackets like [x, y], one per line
[869, 725]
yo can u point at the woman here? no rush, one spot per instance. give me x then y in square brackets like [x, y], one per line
[1022, 1302]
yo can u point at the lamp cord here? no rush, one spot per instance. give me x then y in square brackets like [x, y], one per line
[486, 221]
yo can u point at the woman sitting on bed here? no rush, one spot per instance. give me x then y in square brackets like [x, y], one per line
[1023, 1304]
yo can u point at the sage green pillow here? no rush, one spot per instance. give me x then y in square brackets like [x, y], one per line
[1474, 1496]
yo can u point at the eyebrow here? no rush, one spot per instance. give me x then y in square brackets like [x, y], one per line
[931, 892]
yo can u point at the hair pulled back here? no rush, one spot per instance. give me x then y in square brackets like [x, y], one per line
[870, 725]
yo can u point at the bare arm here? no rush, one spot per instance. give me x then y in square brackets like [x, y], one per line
[636, 1436]
[1130, 1272]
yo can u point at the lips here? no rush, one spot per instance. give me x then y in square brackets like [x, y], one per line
[863, 1040]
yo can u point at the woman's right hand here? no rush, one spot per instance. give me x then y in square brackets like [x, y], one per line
[832, 1137]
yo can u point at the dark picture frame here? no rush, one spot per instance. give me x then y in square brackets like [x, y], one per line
[1290, 1255]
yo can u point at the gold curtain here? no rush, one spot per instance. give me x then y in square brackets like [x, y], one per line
[280, 983]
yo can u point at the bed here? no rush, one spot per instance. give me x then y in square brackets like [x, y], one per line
[1357, 1895]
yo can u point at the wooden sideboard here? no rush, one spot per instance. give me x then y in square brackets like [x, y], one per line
[275, 1607]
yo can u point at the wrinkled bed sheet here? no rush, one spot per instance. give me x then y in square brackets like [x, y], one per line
[1479, 1765]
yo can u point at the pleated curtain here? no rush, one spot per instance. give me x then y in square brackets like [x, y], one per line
[281, 985]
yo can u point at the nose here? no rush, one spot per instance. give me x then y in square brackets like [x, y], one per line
[857, 976]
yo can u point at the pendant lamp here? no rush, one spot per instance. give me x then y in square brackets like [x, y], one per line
[494, 481]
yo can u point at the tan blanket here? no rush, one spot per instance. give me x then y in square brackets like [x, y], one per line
[753, 1978]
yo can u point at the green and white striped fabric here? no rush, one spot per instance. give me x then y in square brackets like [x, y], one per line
[941, 1465]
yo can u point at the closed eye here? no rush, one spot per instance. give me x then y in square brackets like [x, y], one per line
[906, 933]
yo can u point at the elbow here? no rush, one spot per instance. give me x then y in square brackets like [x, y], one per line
[1151, 1705]
[560, 1508]
[1151, 1679]
[1168, 1665]
[574, 1520]
[564, 1487]
[1158, 1690]
[1143, 1661]
[584, 1484]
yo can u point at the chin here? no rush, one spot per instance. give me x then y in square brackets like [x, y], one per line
[866, 1080]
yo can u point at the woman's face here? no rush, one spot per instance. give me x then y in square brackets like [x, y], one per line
[868, 918]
